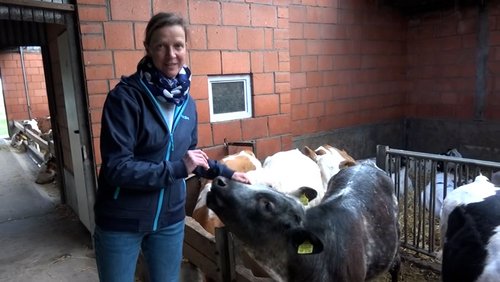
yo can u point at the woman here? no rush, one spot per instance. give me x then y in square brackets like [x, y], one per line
[148, 140]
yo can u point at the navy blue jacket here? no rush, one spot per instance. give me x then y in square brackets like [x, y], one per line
[141, 184]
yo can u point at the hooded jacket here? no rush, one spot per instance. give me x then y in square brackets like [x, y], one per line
[141, 184]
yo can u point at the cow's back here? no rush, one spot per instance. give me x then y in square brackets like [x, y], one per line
[360, 210]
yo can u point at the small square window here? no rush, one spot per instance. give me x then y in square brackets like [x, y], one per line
[229, 97]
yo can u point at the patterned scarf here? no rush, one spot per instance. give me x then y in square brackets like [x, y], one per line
[172, 90]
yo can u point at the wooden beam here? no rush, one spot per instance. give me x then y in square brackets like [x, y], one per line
[40, 4]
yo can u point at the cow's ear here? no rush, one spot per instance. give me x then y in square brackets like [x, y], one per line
[305, 194]
[304, 242]
[309, 152]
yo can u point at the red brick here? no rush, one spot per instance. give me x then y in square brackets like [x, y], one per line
[267, 146]
[263, 83]
[266, 105]
[199, 87]
[98, 72]
[134, 10]
[97, 86]
[282, 12]
[92, 42]
[197, 37]
[298, 80]
[203, 110]
[97, 101]
[204, 135]
[89, 13]
[283, 23]
[282, 87]
[235, 14]
[316, 109]
[271, 61]
[230, 130]
[287, 142]
[298, 47]
[179, 7]
[282, 77]
[126, 62]
[263, 15]
[257, 62]
[314, 78]
[297, 13]
[254, 128]
[251, 38]
[203, 12]
[235, 62]
[309, 63]
[206, 62]
[114, 35]
[269, 39]
[299, 111]
[97, 58]
[221, 37]
[139, 31]
[279, 124]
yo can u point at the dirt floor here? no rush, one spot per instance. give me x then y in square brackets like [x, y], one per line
[411, 272]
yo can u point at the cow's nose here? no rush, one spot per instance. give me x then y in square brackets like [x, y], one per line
[220, 181]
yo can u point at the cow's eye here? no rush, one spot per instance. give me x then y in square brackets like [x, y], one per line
[266, 204]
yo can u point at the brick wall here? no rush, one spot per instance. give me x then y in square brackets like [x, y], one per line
[14, 89]
[224, 38]
[348, 64]
[317, 65]
[443, 68]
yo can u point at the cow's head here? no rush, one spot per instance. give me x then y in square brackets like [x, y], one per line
[256, 214]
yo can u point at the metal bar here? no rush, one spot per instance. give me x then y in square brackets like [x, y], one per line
[41, 5]
[436, 157]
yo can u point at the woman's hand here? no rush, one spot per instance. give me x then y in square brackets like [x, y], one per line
[195, 158]
[241, 177]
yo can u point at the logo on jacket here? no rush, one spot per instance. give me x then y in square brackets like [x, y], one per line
[184, 117]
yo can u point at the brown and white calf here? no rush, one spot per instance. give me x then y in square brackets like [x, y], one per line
[330, 160]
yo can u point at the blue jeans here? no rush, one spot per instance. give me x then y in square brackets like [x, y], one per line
[117, 253]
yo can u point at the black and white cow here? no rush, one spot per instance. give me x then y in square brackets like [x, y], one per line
[470, 228]
[352, 235]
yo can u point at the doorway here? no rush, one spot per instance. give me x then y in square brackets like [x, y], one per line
[54, 30]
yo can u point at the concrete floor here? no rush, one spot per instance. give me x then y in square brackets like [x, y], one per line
[41, 239]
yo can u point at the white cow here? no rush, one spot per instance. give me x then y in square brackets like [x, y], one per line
[470, 231]
[293, 173]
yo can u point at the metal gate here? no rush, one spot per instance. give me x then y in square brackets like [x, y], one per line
[422, 181]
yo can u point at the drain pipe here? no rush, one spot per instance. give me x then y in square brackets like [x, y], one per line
[26, 93]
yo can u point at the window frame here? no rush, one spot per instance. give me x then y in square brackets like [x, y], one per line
[247, 113]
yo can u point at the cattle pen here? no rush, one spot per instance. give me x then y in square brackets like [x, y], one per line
[419, 220]
[218, 257]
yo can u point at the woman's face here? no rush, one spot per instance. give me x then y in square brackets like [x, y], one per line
[168, 49]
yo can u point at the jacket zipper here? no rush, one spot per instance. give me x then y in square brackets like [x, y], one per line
[170, 148]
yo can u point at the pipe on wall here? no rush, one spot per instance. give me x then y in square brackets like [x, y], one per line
[25, 80]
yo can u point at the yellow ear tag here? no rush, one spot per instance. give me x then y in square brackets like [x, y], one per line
[305, 248]
[304, 200]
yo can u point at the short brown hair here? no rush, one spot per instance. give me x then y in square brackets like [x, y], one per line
[161, 20]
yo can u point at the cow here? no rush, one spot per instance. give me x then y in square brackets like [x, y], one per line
[470, 230]
[293, 173]
[330, 160]
[352, 235]
[242, 161]
[443, 183]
